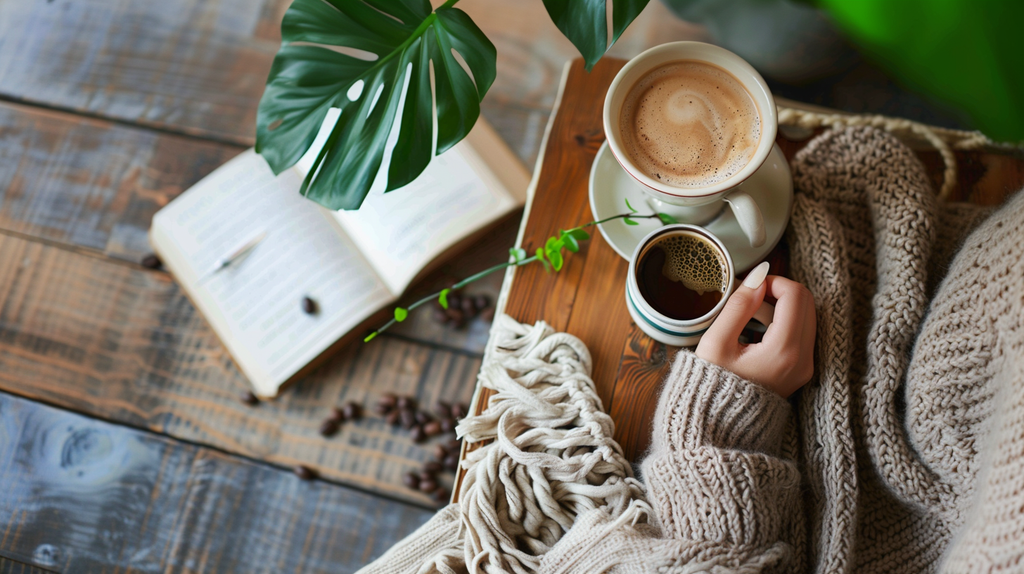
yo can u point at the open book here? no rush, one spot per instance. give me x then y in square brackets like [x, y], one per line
[351, 264]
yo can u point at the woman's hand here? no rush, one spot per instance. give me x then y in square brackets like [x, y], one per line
[784, 359]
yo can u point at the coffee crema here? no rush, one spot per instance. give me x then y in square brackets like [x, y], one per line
[690, 124]
[682, 276]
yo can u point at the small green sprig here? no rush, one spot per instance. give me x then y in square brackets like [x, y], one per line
[550, 255]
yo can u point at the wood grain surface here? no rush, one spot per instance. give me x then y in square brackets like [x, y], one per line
[88, 496]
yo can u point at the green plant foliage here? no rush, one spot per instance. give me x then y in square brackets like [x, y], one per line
[629, 221]
[401, 314]
[517, 254]
[667, 219]
[443, 298]
[307, 79]
[540, 257]
[585, 23]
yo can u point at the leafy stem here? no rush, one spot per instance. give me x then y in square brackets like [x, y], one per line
[550, 256]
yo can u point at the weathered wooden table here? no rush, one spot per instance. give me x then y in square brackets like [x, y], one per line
[123, 446]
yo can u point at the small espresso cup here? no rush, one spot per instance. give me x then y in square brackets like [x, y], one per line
[669, 330]
[696, 205]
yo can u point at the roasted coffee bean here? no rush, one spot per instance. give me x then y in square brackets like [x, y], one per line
[249, 398]
[388, 401]
[432, 467]
[459, 410]
[454, 301]
[337, 415]
[481, 302]
[440, 452]
[424, 475]
[304, 472]
[428, 486]
[467, 307]
[408, 419]
[433, 428]
[451, 462]
[423, 417]
[411, 480]
[352, 411]
[393, 418]
[454, 445]
[382, 410]
[417, 434]
[406, 403]
[309, 306]
[456, 315]
[447, 424]
[329, 427]
[487, 314]
[443, 409]
[151, 261]
[441, 495]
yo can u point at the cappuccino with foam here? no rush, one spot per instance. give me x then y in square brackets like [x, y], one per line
[690, 124]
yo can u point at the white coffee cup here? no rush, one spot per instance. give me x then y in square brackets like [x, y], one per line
[696, 205]
[681, 332]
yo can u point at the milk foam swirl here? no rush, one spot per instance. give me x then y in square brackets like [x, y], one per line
[690, 124]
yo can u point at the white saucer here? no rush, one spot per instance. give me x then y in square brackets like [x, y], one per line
[771, 187]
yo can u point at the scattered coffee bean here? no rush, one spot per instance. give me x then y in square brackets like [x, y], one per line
[451, 462]
[249, 398]
[411, 480]
[387, 401]
[329, 427]
[432, 467]
[393, 418]
[417, 434]
[304, 472]
[459, 410]
[309, 306]
[381, 409]
[433, 428]
[467, 307]
[428, 486]
[151, 261]
[407, 403]
[447, 424]
[481, 302]
[352, 411]
[440, 452]
[441, 495]
[454, 301]
[337, 415]
[423, 417]
[424, 475]
[456, 315]
[408, 419]
[443, 409]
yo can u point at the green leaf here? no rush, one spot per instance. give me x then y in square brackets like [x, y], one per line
[667, 219]
[631, 210]
[579, 234]
[540, 257]
[307, 79]
[556, 260]
[629, 221]
[585, 23]
[370, 337]
[517, 254]
[443, 298]
[570, 242]
[401, 314]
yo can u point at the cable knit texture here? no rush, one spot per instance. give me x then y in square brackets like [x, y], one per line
[905, 453]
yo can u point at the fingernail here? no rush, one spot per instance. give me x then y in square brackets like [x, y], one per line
[756, 276]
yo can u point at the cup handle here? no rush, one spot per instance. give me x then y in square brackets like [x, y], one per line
[748, 215]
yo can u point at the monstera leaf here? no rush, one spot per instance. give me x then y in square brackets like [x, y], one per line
[585, 23]
[308, 78]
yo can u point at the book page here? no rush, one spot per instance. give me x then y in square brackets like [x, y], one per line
[402, 231]
[255, 304]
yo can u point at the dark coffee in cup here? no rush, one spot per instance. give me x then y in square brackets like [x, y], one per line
[682, 275]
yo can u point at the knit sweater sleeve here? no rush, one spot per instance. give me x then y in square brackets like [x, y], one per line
[722, 493]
